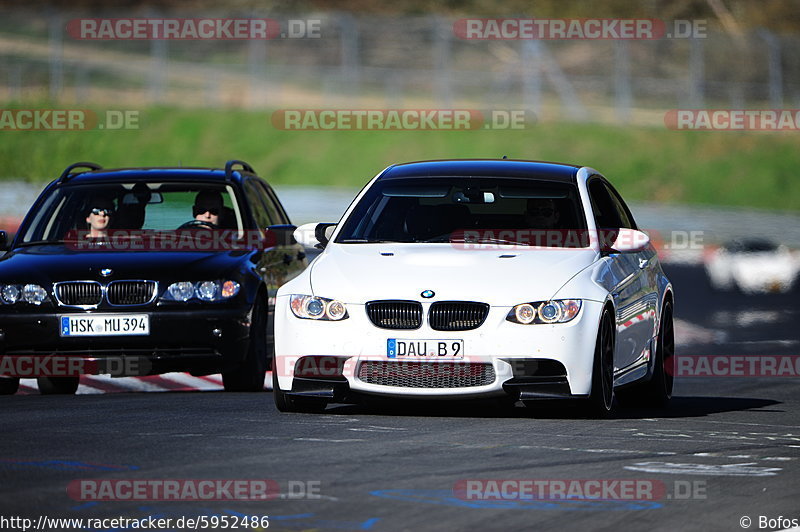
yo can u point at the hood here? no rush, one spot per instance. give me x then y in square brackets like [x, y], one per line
[45, 264]
[357, 273]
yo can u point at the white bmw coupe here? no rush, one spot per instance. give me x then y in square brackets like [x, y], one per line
[465, 279]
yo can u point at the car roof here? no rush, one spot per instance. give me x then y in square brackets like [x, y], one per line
[485, 168]
[108, 175]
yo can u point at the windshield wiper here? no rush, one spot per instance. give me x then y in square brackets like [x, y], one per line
[41, 243]
[369, 241]
[485, 240]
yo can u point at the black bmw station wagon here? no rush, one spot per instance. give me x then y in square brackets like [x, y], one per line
[144, 271]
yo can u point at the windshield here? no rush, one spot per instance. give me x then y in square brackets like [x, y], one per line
[500, 210]
[99, 209]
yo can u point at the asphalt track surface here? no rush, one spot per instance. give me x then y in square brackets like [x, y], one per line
[728, 447]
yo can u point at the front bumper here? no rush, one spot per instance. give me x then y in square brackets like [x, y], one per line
[511, 358]
[199, 341]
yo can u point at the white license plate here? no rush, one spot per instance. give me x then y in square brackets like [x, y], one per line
[105, 325]
[424, 349]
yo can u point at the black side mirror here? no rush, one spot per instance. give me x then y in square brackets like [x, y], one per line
[3, 241]
[283, 234]
[322, 234]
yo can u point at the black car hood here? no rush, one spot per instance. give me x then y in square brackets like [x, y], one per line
[44, 264]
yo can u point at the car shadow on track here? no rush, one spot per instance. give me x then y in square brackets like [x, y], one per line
[679, 407]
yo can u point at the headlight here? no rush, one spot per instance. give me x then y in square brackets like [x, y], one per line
[206, 290]
[525, 313]
[29, 293]
[317, 308]
[182, 291]
[10, 294]
[34, 294]
[202, 290]
[555, 311]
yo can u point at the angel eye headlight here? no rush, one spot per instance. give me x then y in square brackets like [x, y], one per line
[335, 310]
[549, 312]
[10, 294]
[544, 312]
[206, 290]
[34, 294]
[317, 308]
[525, 313]
[181, 291]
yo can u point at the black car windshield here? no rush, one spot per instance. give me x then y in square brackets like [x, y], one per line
[134, 207]
[517, 211]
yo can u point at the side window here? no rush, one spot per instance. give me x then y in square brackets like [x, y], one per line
[623, 210]
[606, 212]
[257, 199]
[274, 207]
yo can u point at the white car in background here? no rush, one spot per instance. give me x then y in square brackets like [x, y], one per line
[754, 266]
[516, 280]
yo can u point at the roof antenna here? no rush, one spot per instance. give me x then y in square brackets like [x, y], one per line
[505, 156]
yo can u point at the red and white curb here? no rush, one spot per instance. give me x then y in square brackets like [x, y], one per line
[168, 382]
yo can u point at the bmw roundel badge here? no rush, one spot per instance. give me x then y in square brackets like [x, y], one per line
[106, 272]
[427, 294]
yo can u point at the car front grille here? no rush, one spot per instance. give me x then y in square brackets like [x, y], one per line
[457, 315]
[395, 314]
[87, 294]
[79, 293]
[131, 292]
[426, 374]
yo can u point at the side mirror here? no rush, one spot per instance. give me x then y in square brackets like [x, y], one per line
[314, 235]
[3, 241]
[283, 234]
[629, 241]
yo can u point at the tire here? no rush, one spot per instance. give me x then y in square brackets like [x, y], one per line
[656, 392]
[601, 399]
[58, 385]
[249, 376]
[285, 403]
[9, 385]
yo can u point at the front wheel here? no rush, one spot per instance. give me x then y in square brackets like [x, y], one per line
[601, 399]
[57, 385]
[249, 376]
